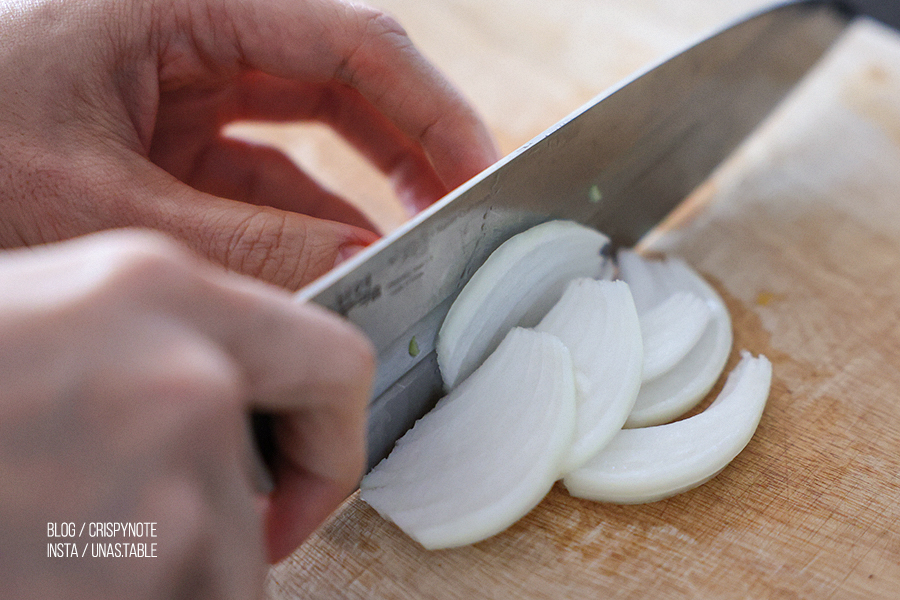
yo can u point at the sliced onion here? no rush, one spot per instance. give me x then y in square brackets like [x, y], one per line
[670, 329]
[517, 285]
[487, 453]
[646, 289]
[597, 322]
[677, 390]
[552, 401]
[652, 463]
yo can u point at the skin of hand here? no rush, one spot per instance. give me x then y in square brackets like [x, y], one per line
[111, 115]
[129, 368]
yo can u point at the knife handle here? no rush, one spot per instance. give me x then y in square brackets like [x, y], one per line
[265, 451]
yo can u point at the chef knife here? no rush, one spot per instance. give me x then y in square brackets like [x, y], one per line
[620, 164]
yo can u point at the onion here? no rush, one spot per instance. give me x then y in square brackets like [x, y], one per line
[652, 463]
[487, 453]
[597, 322]
[672, 393]
[670, 330]
[520, 281]
[552, 401]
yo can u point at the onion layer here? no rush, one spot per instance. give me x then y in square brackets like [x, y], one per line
[672, 393]
[597, 322]
[487, 453]
[520, 281]
[652, 463]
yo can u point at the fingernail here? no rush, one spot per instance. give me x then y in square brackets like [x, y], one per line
[347, 251]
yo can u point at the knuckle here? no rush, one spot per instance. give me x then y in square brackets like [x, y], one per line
[373, 28]
[379, 23]
[196, 370]
[268, 247]
[253, 247]
[138, 261]
[110, 269]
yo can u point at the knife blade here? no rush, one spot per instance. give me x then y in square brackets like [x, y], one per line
[619, 164]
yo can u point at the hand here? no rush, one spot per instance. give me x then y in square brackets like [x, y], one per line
[129, 368]
[112, 110]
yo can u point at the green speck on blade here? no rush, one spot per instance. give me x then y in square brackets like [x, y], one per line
[413, 347]
[595, 195]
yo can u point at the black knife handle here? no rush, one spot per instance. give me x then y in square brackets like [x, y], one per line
[262, 426]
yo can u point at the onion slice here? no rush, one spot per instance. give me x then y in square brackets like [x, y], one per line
[487, 453]
[670, 329]
[672, 393]
[652, 463]
[597, 322]
[520, 281]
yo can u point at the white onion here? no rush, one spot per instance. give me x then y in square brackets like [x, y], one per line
[520, 281]
[487, 453]
[672, 393]
[551, 401]
[652, 463]
[670, 329]
[597, 322]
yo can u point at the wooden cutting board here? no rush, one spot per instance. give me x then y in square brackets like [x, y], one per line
[800, 233]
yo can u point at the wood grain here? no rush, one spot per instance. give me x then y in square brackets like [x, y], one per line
[800, 233]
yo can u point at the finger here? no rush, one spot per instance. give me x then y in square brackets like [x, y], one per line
[318, 391]
[198, 349]
[299, 362]
[313, 371]
[266, 177]
[188, 119]
[321, 447]
[277, 246]
[355, 45]
[110, 189]
[297, 507]
[346, 111]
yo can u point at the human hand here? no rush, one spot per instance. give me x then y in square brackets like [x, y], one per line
[112, 112]
[129, 368]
